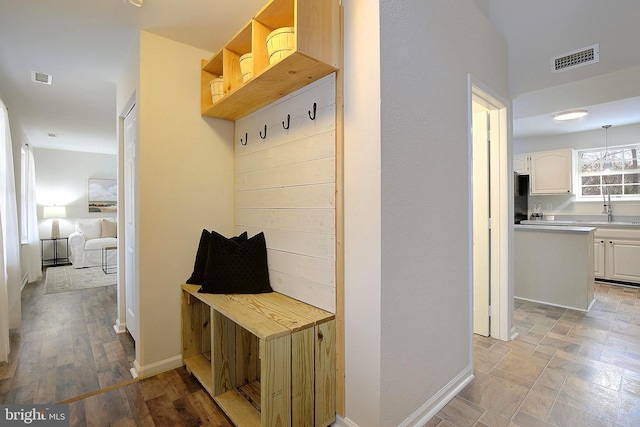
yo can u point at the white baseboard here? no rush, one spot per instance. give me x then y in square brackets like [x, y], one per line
[514, 333]
[430, 408]
[156, 368]
[343, 422]
[120, 328]
[23, 282]
[135, 370]
[557, 305]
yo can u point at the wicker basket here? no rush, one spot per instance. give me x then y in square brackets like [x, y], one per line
[217, 89]
[279, 43]
[246, 66]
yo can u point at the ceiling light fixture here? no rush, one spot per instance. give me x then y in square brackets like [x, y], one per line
[136, 3]
[570, 115]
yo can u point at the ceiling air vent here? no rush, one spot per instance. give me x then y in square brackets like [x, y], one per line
[577, 58]
[40, 77]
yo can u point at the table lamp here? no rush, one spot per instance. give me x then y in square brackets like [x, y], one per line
[55, 212]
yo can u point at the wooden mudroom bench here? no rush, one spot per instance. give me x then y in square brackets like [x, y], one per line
[267, 359]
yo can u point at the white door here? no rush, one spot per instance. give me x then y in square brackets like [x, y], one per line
[130, 240]
[481, 215]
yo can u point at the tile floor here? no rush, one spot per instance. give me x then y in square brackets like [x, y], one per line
[566, 368]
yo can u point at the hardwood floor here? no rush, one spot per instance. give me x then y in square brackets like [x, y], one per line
[66, 351]
[65, 347]
[173, 398]
[565, 368]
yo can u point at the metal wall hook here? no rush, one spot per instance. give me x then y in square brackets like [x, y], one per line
[246, 139]
[288, 122]
[265, 132]
[314, 112]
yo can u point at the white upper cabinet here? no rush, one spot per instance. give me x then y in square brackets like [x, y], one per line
[551, 171]
[521, 163]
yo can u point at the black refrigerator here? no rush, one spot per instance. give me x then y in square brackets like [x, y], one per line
[520, 197]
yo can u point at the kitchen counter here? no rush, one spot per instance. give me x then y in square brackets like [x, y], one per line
[543, 226]
[583, 223]
[554, 265]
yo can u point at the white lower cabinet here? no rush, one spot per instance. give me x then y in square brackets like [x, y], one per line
[617, 255]
[598, 258]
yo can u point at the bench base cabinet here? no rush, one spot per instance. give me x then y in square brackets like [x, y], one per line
[616, 255]
[266, 359]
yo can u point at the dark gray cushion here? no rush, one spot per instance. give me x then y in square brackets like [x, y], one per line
[235, 267]
[197, 277]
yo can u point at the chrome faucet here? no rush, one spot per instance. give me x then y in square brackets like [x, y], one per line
[607, 205]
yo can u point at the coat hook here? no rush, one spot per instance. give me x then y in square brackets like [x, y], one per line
[265, 132]
[288, 124]
[314, 112]
[246, 139]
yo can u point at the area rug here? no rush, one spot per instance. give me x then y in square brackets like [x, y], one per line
[67, 278]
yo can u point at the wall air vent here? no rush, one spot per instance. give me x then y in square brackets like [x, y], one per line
[577, 58]
[40, 77]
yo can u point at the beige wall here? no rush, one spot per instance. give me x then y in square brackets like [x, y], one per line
[186, 184]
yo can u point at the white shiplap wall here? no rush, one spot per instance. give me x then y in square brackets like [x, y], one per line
[285, 187]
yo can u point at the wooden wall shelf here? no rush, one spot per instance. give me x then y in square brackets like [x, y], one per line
[315, 55]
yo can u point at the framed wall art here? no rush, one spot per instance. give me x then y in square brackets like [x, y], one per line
[103, 195]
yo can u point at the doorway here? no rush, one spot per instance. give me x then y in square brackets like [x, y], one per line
[490, 210]
[130, 252]
[128, 291]
[481, 238]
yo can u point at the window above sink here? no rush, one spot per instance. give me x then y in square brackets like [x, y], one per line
[615, 171]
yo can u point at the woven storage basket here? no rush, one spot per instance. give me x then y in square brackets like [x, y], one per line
[246, 66]
[279, 43]
[217, 89]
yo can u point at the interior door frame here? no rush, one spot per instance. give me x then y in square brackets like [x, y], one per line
[120, 325]
[501, 293]
[481, 214]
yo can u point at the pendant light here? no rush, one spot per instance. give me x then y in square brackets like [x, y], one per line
[605, 159]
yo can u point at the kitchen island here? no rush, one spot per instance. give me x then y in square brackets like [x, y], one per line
[554, 265]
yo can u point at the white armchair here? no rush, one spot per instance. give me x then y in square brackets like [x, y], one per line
[86, 243]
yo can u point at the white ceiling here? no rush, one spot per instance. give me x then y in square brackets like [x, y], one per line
[83, 44]
[537, 31]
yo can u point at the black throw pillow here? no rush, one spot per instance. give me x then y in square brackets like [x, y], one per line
[197, 277]
[236, 267]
